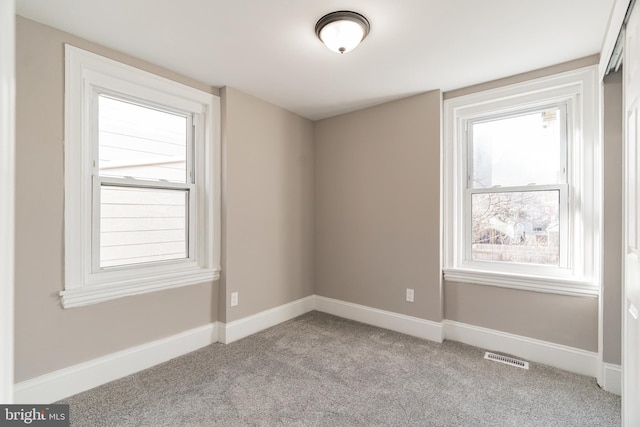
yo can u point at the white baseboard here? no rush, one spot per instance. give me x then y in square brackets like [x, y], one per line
[75, 379]
[409, 325]
[238, 329]
[612, 378]
[560, 356]
[66, 382]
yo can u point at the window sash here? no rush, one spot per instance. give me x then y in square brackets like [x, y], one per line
[191, 125]
[564, 218]
[99, 182]
[563, 128]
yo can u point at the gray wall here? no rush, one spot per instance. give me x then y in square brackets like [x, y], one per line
[48, 337]
[377, 195]
[268, 214]
[613, 166]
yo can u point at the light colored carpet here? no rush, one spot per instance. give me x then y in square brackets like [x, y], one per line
[321, 370]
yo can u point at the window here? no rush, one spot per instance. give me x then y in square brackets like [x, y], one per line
[145, 188]
[521, 181]
[142, 203]
[517, 187]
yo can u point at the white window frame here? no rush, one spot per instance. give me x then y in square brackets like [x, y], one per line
[88, 75]
[579, 270]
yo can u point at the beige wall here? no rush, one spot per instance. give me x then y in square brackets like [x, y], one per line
[377, 206]
[268, 214]
[613, 166]
[49, 337]
[566, 320]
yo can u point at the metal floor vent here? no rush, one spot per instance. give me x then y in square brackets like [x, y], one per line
[506, 360]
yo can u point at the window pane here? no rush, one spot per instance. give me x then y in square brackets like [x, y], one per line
[518, 150]
[520, 227]
[140, 225]
[141, 142]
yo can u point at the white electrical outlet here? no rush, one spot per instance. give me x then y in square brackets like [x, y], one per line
[234, 299]
[409, 295]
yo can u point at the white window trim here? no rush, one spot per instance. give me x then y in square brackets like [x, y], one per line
[582, 277]
[84, 72]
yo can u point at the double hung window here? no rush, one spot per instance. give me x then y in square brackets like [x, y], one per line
[141, 181]
[143, 185]
[521, 174]
[517, 187]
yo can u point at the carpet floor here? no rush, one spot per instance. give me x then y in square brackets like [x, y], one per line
[321, 370]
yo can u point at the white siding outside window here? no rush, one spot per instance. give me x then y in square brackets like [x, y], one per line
[142, 181]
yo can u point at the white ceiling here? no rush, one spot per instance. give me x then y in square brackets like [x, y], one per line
[268, 48]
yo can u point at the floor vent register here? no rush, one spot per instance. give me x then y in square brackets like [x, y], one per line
[506, 360]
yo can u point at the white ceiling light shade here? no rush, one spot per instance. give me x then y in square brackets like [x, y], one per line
[343, 30]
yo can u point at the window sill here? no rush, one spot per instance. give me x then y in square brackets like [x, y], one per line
[561, 286]
[87, 295]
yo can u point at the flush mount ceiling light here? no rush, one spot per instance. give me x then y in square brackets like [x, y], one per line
[343, 30]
